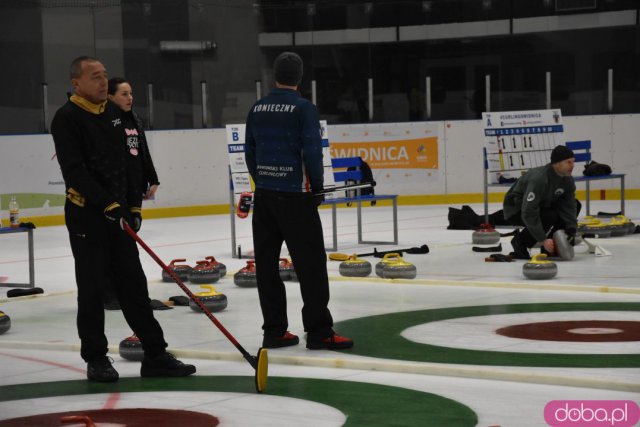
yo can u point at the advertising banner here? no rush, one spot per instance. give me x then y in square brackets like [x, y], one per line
[400, 152]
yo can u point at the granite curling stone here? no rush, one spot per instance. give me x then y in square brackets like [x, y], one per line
[355, 267]
[217, 264]
[485, 235]
[246, 277]
[204, 272]
[563, 248]
[387, 258]
[539, 268]
[399, 269]
[181, 270]
[5, 322]
[619, 226]
[286, 269]
[131, 349]
[630, 226]
[212, 300]
[591, 226]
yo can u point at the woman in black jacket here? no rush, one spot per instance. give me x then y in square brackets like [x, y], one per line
[140, 163]
[140, 167]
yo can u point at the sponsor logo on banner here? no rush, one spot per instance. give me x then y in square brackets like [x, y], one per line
[421, 153]
[591, 413]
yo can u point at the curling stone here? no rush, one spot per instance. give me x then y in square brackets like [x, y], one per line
[131, 349]
[485, 235]
[246, 277]
[619, 226]
[387, 258]
[593, 226]
[539, 268]
[286, 267]
[399, 269]
[182, 271]
[355, 267]
[629, 225]
[217, 264]
[563, 248]
[5, 322]
[204, 272]
[212, 300]
[294, 276]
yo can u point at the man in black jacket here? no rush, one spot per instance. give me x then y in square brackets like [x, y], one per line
[542, 199]
[90, 147]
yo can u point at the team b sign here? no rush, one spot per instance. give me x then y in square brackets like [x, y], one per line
[591, 413]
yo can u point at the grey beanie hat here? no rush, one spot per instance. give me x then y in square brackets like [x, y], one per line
[287, 69]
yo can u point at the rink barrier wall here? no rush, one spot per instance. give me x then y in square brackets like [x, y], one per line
[193, 168]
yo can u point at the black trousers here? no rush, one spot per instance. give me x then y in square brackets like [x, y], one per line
[102, 251]
[292, 218]
[549, 218]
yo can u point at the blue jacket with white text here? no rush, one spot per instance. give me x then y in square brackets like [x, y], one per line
[283, 143]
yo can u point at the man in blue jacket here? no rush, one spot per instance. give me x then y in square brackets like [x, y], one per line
[283, 151]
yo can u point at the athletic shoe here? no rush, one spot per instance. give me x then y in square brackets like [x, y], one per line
[333, 342]
[165, 365]
[520, 251]
[102, 371]
[284, 341]
[244, 204]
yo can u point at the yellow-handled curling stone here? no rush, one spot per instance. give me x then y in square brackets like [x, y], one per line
[539, 268]
[593, 226]
[355, 267]
[621, 226]
[213, 300]
[387, 258]
[259, 362]
[393, 266]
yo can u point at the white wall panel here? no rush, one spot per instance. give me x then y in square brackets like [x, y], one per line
[463, 142]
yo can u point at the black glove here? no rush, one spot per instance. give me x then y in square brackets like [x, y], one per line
[571, 235]
[318, 199]
[116, 215]
[136, 221]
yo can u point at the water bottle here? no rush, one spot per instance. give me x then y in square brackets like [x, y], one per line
[14, 213]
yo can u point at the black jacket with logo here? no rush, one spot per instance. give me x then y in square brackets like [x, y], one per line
[541, 187]
[139, 156]
[91, 151]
